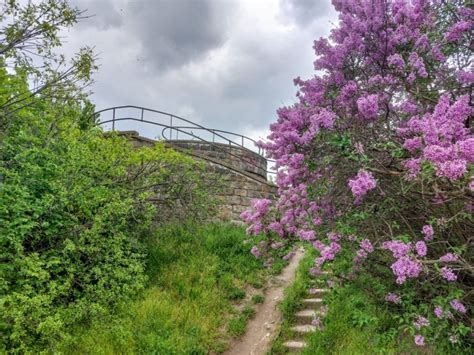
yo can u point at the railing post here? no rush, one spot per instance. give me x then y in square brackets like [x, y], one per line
[113, 120]
[171, 125]
[142, 114]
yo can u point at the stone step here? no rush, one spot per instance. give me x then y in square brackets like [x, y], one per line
[318, 291]
[295, 345]
[306, 316]
[313, 303]
[319, 274]
[303, 329]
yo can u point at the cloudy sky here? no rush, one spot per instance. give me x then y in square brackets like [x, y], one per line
[226, 64]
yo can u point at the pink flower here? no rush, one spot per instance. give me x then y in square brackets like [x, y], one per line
[448, 274]
[455, 32]
[392, 297]
[256, 252]
[363, 182]
[419, 340]
[397, 247]
[368, 107]
[420, 248]
[428, 232]
[458, 306]
[449, 257]
[421, 322]
[366, 245]
[406, 267]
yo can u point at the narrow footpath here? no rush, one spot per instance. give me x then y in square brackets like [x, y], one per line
[262, 329]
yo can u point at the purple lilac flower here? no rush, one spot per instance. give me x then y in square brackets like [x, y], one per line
[396, 61]
[449, 257]
[421, 322]
[453, 169]
[465, 77]
[256, 252]
[458, 306]
[455, 32]
[406, 267]
[359, 147]
[392, 297]
[438, 311]
[277, 245]
[366, 245]
[420, 248]
[363, 182]
[448, 274]
[289, 255]
[428, 232]
[419, 340]
[368, 107]
[334, 237]
[397, 247]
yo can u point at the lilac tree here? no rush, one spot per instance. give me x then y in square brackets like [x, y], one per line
[374, 160]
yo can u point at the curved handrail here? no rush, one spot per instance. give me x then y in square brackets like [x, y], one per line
[172, 116]
[183, 129]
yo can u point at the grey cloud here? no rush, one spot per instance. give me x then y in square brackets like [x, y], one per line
[199, 59]
[305, 12]
[103, 14]
[173, 33]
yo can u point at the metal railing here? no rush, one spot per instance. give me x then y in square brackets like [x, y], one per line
[172, 127]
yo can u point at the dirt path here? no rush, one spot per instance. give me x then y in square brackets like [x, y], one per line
[262, 329]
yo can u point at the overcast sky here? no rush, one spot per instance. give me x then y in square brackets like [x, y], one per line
[226, 64]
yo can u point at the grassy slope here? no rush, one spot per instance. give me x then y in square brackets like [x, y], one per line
[195, 275]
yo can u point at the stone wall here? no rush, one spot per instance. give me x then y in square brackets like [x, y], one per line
[243, 172]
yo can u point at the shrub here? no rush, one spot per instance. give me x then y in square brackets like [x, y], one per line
[375, 161]
[74, 209]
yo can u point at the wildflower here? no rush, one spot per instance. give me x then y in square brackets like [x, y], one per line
[363, 182]
[428, 232]
[421, 322]
[420, 248]
[392, 297]
[256, 252]
[419, 340]
[368, 107]
[458, 306]
[366, 245]
[449, 257]
[448, 274]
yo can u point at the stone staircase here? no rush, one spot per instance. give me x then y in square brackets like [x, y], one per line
[304, 320]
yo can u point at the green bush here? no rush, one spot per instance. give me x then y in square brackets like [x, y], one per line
[74, 210]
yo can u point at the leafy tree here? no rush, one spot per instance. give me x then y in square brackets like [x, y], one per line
[29, 38]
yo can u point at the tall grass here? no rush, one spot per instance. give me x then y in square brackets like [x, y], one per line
[195, 273]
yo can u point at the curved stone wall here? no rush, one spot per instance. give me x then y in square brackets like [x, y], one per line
[244, 172]
[241, 159]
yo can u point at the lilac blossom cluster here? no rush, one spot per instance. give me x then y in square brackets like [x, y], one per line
[391, 101]
[361, 184]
